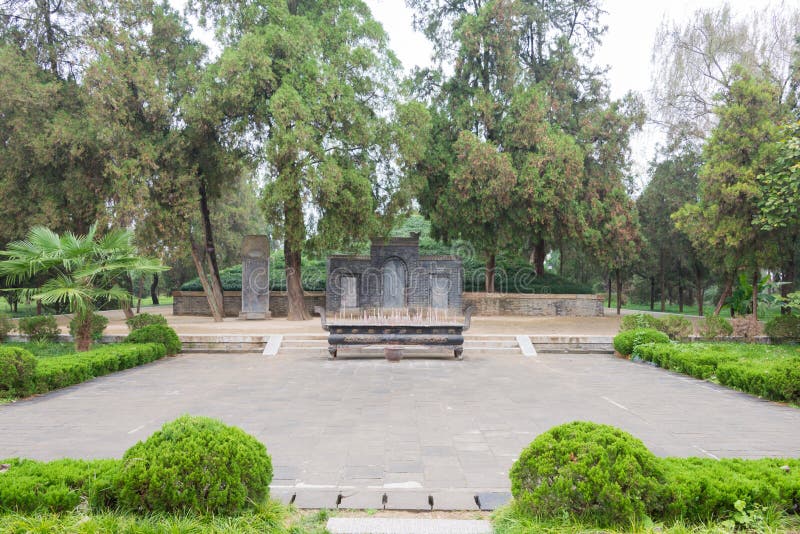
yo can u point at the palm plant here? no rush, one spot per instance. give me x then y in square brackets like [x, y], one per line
[78, 271]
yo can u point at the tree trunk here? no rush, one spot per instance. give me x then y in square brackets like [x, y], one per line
[38, 307]
[539, 253]
[561, 261]
[662, 281]
[491, 264]
[652, 293]
[211, 251]
[217, 310]
[44, 6]
[755, 297]
[292, 254]
[680, 287]
[126, 304]
[154, 289]
[788, 273]
[83, 332]
[698, 280]
[609, 290]
[139, 297]
[619, 291]
[726, 291]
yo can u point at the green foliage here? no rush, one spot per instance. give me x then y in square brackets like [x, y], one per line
[62, 371]
[626, 342]
[772, 372]
[699, 489]
[157, 333]
[17, 372]
[783, 328]
[28, 486]
[592, 471]
[639, 320]
[195, 464]
[39, 327]
[676, 326]
[715, 326]
[780, 185]
[6, 326]
[313, 278]
[145, 319]
[97, 327]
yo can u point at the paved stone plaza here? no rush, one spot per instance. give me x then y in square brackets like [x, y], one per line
[428, 425]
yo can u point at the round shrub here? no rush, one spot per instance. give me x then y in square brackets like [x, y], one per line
[676, 326]
[195, 464]
[17, 372]
[714, 326]
[157, 333]
[98, 325]
[783, 328]
[626, 342]
[592, 471]
[639, 320]
[145, 319]
[39, 327]
[6, 326]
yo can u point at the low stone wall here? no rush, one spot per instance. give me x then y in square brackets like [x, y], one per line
[195, 303]
[520, 304]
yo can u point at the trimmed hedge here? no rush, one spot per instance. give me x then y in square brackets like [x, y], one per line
[145, 319]
[769, 371]
[625, 342]
[675, 326]
[715, 326]
[62, 371]
[700, 489]
[157, 333]
[195, 464]
[17, 372]
[596, 472]
[600, 473]
[783, 328]
[28, 486]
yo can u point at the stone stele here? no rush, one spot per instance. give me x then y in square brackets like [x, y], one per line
[255, 277]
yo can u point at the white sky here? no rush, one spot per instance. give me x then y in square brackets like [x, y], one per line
[626, 47]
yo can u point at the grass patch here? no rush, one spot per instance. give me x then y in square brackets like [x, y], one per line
[769, 371]
[271, 517]
[512, 520]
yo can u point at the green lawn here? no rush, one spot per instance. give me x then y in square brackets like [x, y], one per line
[26, 310]
[45, 349]
[764, 312]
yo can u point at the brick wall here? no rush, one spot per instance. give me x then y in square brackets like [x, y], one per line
[195, 303]
[534, 305]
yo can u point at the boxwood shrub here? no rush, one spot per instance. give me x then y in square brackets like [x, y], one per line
[99, 324]
[592, 471]
[625, 342]
[17, 372]
[28, 486]
[62, 371]
[145, 319]
[157, 333]
[783, 328]
[195, 464]
[39, 327]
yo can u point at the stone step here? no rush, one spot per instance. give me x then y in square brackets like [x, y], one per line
[389, 525]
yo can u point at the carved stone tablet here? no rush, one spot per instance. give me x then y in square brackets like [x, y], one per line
[255, 277]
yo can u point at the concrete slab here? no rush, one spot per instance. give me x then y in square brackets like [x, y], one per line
[373, 525]
[526, 346]
[273, 345]
[493, 500]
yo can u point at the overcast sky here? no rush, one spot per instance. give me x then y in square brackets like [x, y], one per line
[626, 47]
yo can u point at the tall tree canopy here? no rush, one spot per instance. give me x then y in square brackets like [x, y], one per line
[307, 88]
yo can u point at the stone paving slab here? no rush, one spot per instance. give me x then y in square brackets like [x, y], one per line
[358, 525]
[434, 426]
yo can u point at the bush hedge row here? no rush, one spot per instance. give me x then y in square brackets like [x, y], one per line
[192, 464]
[625, 342]
[601, 474]
[157, 333]
[21, 374]
[768, 371]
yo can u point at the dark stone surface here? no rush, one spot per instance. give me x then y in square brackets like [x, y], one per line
[493, 500]
[394, 275]
[255, 277]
